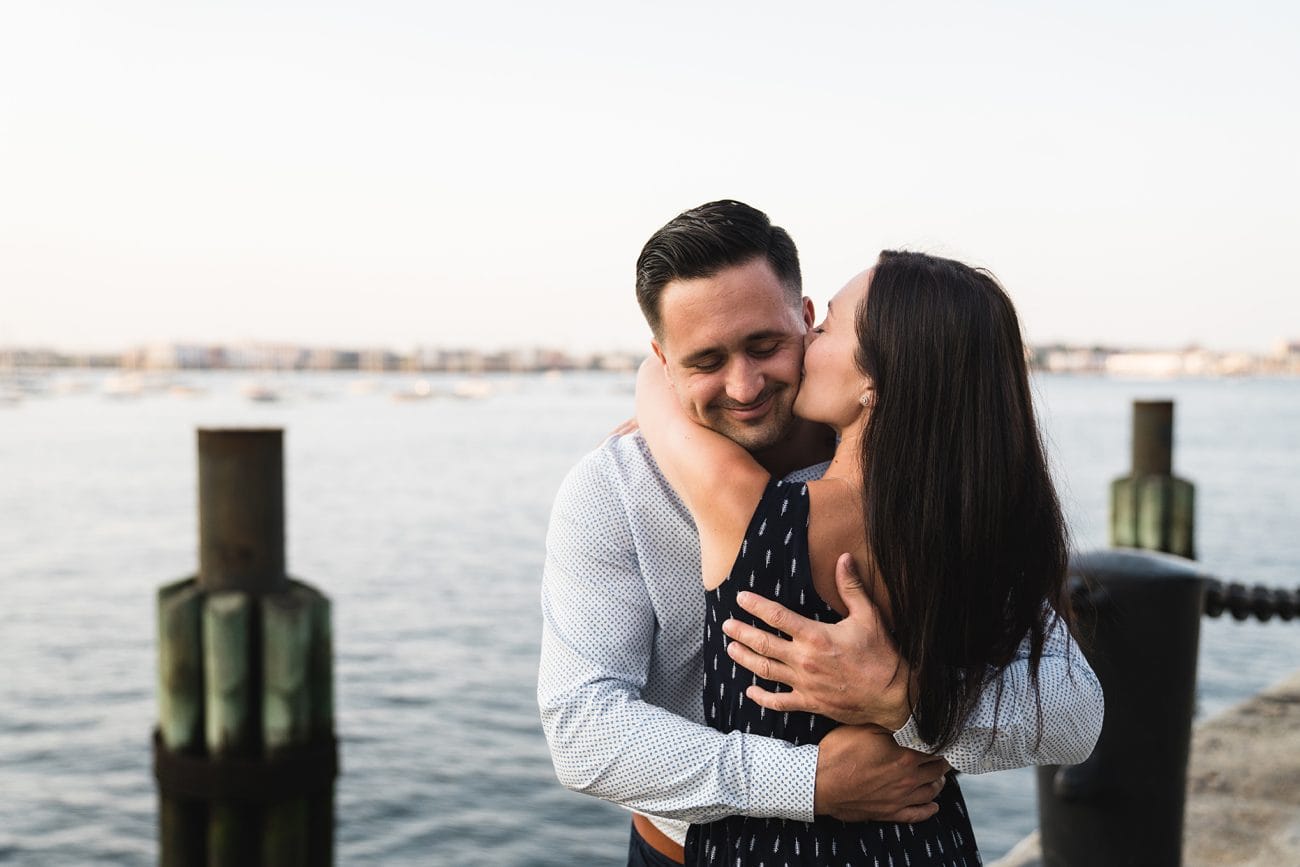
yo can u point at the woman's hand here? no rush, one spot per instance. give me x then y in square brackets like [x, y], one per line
[849, 671]
[627, 427]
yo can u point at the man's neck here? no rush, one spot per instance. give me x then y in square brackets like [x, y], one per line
[809, 443]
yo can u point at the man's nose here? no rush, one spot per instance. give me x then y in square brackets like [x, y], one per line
[744, 381]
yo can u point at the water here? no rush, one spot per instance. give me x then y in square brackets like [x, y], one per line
[424, 521]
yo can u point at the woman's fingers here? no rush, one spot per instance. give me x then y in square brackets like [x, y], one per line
[627, 427]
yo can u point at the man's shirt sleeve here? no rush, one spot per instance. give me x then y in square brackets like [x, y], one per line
[1007, 729]
[597, 640]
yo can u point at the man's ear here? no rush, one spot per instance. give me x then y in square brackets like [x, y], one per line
[808, 317]
[659, 353]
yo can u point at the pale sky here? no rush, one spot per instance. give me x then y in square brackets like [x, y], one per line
[484, 174]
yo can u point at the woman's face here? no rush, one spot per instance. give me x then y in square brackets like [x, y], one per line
[832, 384]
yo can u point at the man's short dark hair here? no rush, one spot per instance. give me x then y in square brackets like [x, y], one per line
[706, 240]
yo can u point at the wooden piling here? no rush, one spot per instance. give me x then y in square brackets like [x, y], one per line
[1151, 508]
[182, 822]
[229, 729]
[286, 666]
[286, 714]
[180, 666]
[321, 805]
[227, 645]
[245, 753]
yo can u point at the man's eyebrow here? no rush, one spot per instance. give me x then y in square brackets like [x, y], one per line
[766, 335]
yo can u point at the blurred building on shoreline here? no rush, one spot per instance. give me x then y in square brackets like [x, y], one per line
[1193, 361]
[291, 357]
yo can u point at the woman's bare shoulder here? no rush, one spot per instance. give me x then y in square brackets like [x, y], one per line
[724, 515]
[835, 526]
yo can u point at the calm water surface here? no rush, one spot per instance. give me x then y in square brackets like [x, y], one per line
[424, 521]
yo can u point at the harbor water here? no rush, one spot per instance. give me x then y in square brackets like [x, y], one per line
[424, 519]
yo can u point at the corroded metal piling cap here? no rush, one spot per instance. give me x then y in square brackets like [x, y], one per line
[241, 510]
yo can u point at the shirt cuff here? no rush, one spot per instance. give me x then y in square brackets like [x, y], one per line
[782, 780]
[910, 737]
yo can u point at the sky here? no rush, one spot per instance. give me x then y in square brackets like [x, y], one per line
[407, 174]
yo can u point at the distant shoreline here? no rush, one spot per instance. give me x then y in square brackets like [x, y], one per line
[19, 372]
[1191, 362]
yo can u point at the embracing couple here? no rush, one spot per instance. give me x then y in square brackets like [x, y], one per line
[828, 568]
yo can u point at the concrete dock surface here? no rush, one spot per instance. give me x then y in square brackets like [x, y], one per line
[1243, 787]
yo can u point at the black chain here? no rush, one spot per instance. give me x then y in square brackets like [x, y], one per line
[1243, 602]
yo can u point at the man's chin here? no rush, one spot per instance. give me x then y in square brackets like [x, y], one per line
[755, 437]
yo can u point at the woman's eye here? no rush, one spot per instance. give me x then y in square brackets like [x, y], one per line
[820, 329]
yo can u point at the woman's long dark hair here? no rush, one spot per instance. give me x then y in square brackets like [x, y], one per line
[962, 519]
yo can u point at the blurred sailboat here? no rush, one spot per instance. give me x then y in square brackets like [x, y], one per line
[418, 390]
[259, 392]
[471, 389]
[123, 386]
[363, 386]
[12, 386]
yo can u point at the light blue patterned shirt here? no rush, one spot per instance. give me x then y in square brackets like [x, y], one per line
[622, 675]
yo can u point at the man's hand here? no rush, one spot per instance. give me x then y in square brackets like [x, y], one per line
[863, 776]
[849, 671]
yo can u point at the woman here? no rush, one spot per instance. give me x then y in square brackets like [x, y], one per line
[940, 492]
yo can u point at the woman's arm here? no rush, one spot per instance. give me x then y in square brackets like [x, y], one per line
[717, 479]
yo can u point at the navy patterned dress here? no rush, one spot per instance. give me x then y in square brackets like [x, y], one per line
[773, 562]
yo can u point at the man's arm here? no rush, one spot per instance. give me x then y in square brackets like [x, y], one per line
[851, 672]
[1004, 730]
[598, 634]
[597, 639]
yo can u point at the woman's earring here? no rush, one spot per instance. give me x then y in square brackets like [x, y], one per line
[865, 400]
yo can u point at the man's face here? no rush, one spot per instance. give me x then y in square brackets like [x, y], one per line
[732, 345]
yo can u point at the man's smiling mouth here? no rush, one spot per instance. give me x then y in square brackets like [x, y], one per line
[750, 410]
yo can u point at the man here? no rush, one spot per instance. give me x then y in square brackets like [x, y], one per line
[621, 678]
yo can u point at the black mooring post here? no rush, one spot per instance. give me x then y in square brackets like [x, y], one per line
[1140, 613]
